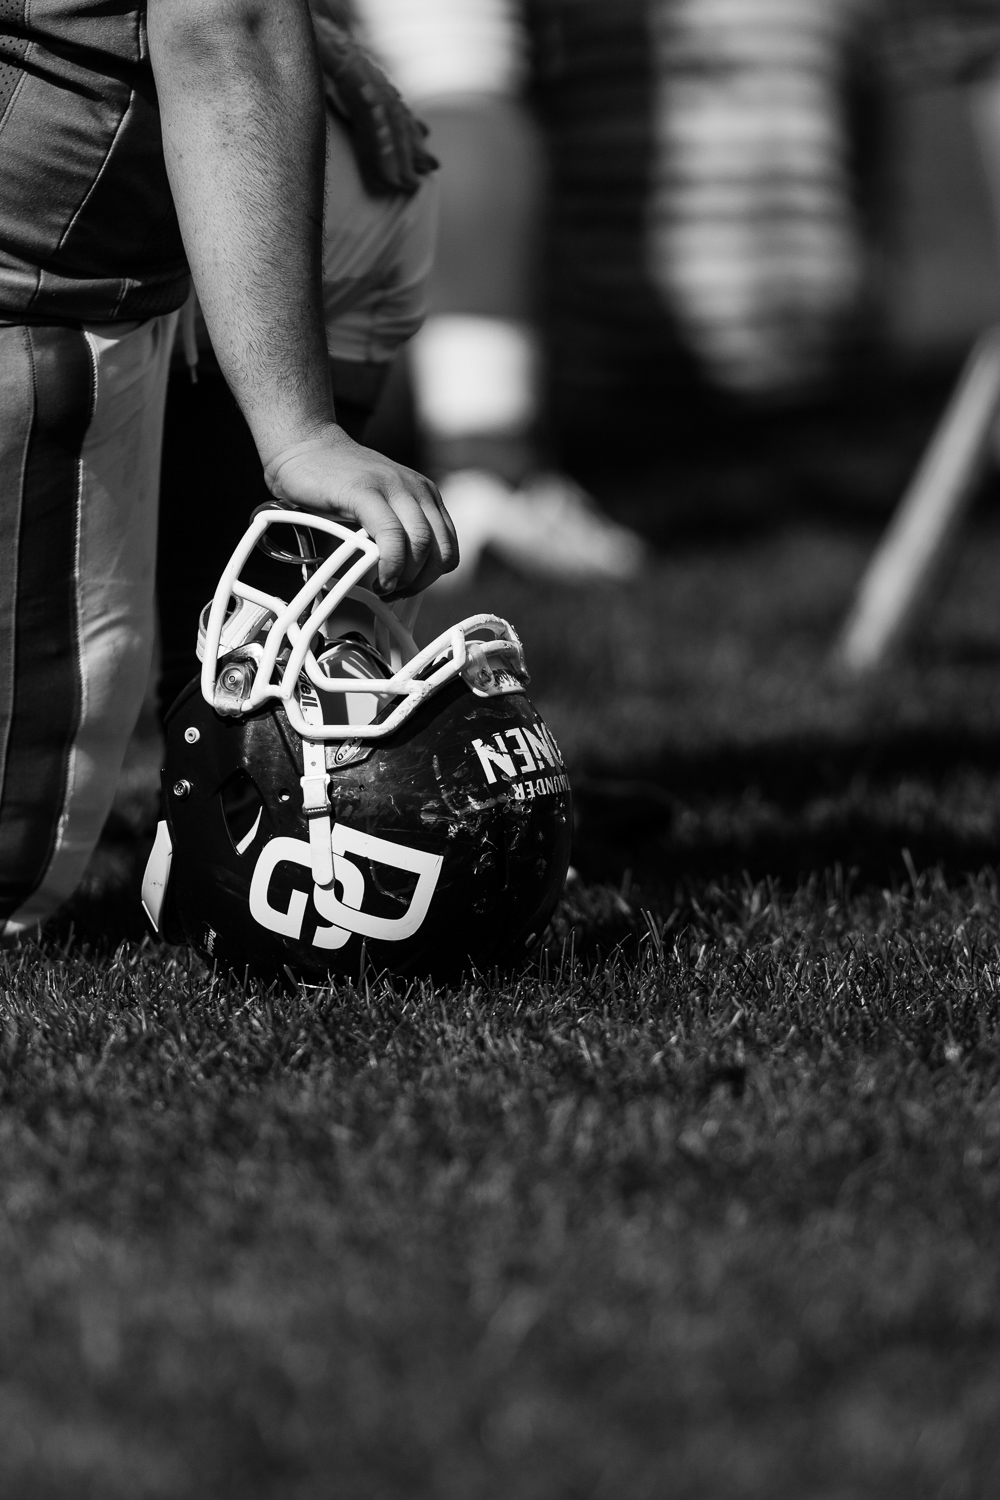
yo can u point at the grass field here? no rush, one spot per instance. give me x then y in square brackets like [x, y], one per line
[704, 1205]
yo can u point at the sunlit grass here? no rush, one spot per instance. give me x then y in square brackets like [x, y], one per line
[703, 1204]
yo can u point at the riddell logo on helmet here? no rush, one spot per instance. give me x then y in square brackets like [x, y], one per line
[344, 916]
[516, 753]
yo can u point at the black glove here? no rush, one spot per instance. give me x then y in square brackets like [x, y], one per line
[387, 137]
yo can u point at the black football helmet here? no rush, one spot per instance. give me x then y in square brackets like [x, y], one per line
[330, 791]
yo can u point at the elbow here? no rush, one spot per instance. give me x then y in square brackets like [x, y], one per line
[223, 36]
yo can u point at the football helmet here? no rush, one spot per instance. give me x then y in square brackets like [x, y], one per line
[330, 790]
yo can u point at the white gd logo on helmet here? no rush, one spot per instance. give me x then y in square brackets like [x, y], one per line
[345, 917]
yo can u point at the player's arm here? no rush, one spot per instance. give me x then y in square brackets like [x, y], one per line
[242, 111]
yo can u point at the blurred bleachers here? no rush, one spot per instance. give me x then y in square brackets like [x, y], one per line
[619, 360]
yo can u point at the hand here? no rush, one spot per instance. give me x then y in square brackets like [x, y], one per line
[400, 509]
[387, 137]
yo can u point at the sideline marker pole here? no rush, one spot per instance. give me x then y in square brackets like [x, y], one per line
[902, 570]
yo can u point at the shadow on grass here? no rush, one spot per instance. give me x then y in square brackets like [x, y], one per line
[106, 911]
[783, 810]
[791, 770]
[789, 808]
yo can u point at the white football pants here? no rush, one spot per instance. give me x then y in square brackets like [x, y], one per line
[80, 448]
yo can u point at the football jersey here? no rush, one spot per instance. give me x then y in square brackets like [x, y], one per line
[88, 231]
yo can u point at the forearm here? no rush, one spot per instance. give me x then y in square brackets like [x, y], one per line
[243, 122]
[244, 130]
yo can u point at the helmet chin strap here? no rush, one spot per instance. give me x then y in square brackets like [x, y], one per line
[315, 783]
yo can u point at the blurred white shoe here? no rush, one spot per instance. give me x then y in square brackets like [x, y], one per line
[477, 503]
[552, 529]
[549, 528]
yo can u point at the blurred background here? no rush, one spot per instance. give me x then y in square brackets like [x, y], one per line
[703, 219]
[707, 274]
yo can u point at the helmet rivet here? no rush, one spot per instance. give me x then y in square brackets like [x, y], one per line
[192, 735]
[182, 789]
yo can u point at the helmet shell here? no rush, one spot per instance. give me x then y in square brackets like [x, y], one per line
[455, 833]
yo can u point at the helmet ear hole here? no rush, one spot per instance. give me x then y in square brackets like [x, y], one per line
[242, 809]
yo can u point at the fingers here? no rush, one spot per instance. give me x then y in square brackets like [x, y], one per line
[419, 544]
[398, 144]
[429, 574]
[413, 532]
[389, 535]
[445, 534]
[400, 509]
[443, 553]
